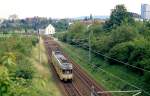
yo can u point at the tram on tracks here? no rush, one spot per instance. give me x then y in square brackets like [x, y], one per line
[62, 66]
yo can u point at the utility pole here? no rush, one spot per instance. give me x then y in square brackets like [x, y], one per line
[90, 46]
[90, 34]
[92, 90]
[39, 47]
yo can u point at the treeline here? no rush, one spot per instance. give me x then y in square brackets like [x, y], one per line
[121, 38]
[33, 24]
[16, 70]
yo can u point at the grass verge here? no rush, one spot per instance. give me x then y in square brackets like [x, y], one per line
[43, 81]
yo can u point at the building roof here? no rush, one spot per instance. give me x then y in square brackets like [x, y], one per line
[50, 25]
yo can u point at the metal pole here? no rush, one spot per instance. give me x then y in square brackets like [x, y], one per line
[90, 47]
[92, 90]
[130, 91]
[137, 93]
[39, 48]
[90, 34]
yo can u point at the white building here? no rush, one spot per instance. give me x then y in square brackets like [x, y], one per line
[145, 11]
[49, 30]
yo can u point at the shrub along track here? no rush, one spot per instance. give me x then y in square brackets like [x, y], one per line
[82, 82]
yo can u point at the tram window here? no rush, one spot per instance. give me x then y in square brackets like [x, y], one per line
[63, 71]
[67, 71]
[57, 52]
[70, 71]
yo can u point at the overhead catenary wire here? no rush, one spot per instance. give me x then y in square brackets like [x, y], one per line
[117, 76]
[131, 91]
[127, 64]
[121, 62]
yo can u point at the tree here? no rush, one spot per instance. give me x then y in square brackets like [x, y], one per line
[85, 18]
[61, 25]
[101, 43]
[123, 33]
[91, 17]
[147, 81]
[121, 52]
[77, 30]
[118, 16]
[25, 69]
[140, 55]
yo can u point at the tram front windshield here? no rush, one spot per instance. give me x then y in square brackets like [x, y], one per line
[68, 71]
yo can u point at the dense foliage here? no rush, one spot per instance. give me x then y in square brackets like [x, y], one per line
[118, 16]
[16, 71]
[61, 25]
[120, 38]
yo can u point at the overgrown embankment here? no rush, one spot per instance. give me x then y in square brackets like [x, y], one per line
[46, 83]
[21, 73]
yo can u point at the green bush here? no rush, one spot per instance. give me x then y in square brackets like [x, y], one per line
[16, 71]
[141, 54]
[121, 52]
[25, 69]
[123, 33]
[35, 41]
[147, 81]
[4, 81]
[101, 44]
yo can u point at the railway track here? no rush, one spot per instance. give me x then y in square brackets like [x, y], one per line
[82, 83]
[86, 79]
[70, 88]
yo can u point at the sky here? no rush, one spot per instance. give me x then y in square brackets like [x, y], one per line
[65, 8]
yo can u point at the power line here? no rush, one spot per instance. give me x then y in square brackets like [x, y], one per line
[117, 60]
[131, 91]
[121, 61]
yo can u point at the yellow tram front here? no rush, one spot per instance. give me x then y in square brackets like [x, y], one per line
[67, 71]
